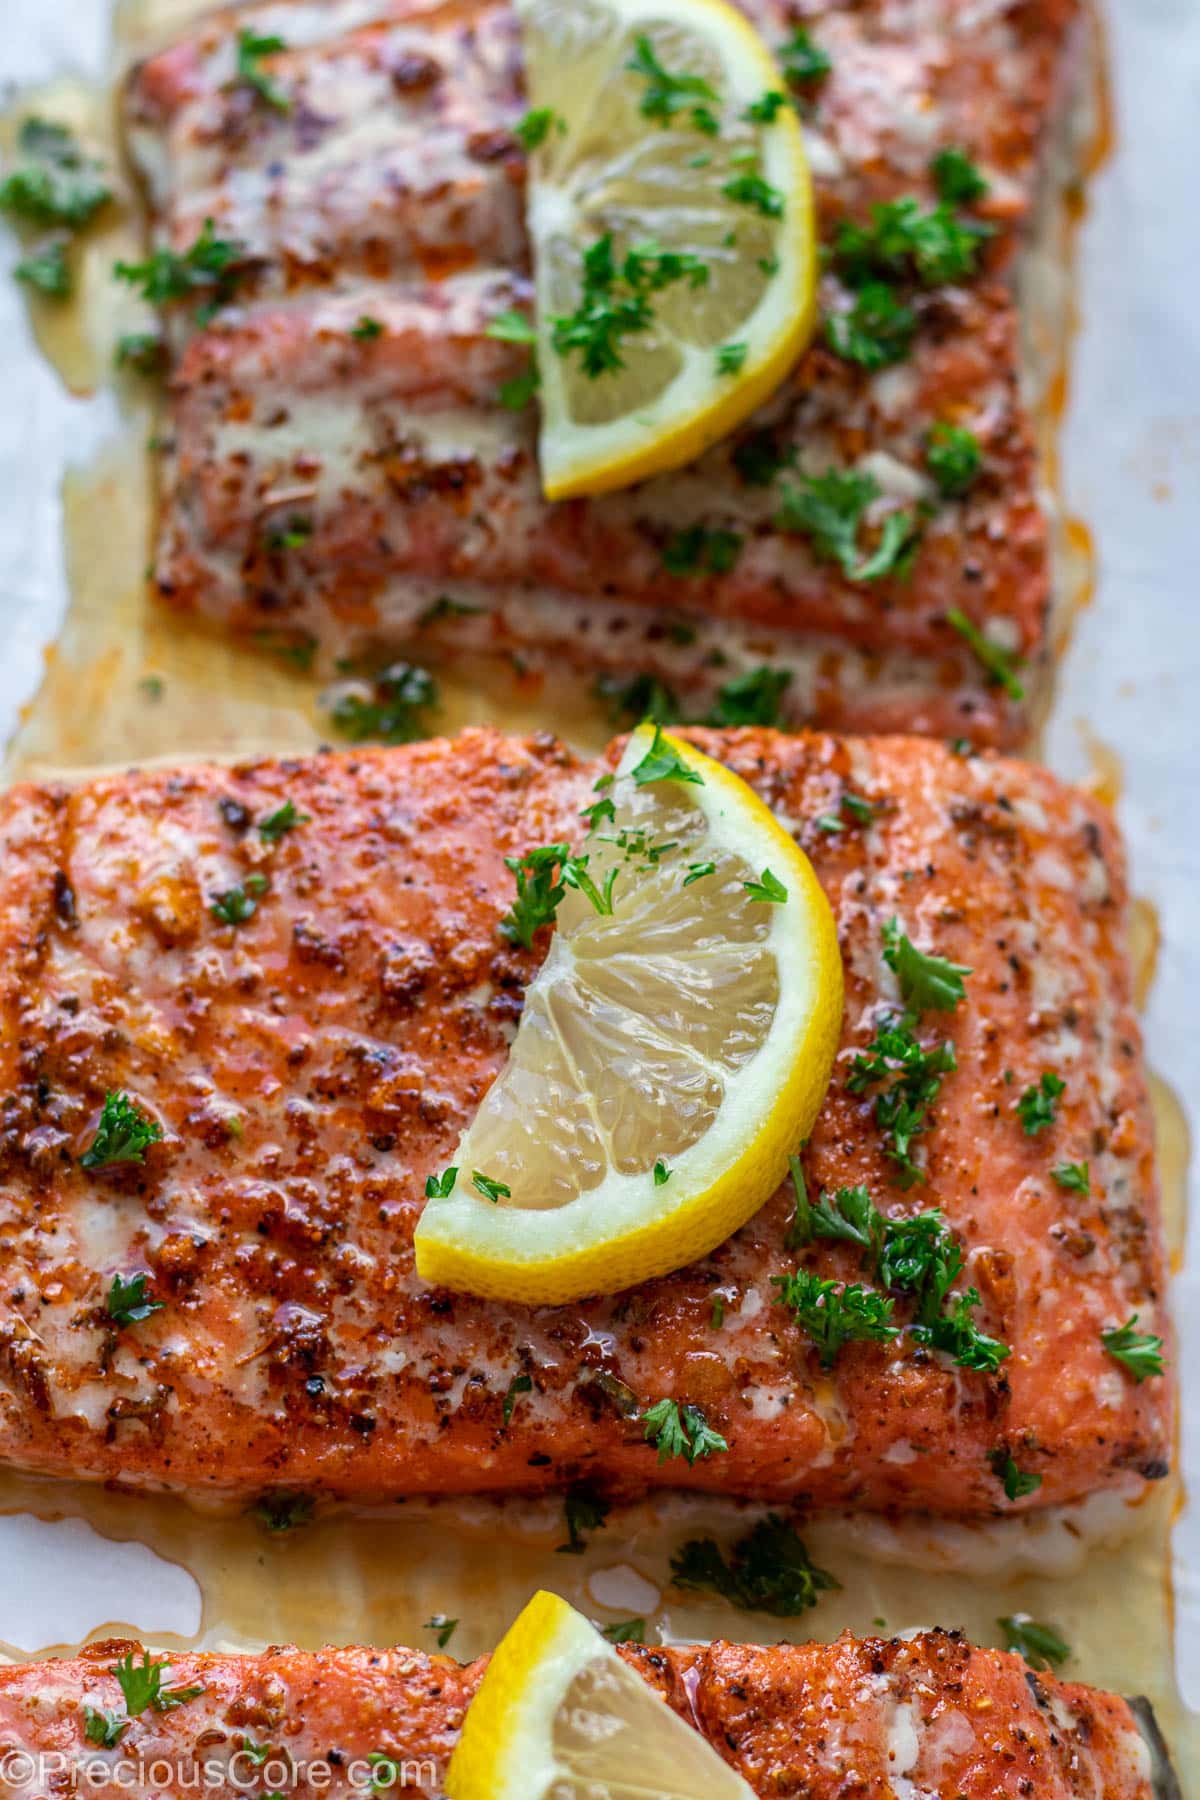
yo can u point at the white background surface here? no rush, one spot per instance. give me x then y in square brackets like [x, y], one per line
[1131, 470]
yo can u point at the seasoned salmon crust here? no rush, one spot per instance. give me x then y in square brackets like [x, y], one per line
[345, 469]
[283, 985]
[928, 1715]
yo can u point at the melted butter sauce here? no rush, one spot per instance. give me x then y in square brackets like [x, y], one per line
[127, 682]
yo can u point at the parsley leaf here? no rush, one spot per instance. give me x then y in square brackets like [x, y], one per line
[956, 1335]
[1076, 1177]
[731, 358]
[877, 330]
[1037, 1108]
[662, 762]
[395, 714]
[752, 698]
[103, 1728]
[901, 240]
[758, 459]
[1138, 1351]
[750, 188]
[211, 265]
[46, 269]
[142, 1685]
[766, 109]
[123, 1134]
[251, 48]
[495, 1191]
[998, 662]
[641, 697]
[1016, 1482]
[625, 1631]
[55, 183]
[532, 131]
[697, 872]
[769, 889]
[444, 1627]
[511, 327]
[834, 1316]
[954, 459]
[614, 300]
[768, 1570]
[912, 1078]
[803, 61]
[1040, 1645]
[237, 905]
[958, 180]
[680, 1431]
[285, 818]
[520, 1384]
[366, 328]
[828, 509]
[127, 1304]
[661, 1172]
[927, 983]
[539, 892]
[668, 93]
[698, 551]
[438, 1187]
[584, 1511]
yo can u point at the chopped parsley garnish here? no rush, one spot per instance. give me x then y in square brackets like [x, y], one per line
[237, 905]
[143, 351]
[661, 1172]
[861, 812]
[753, 698]
[127, 1303]
[680, 1431]
[1138, 1351]
[750, 188]
[283, 1511]
[251, 49]
[366, 328]
[625, 1631]
[439, 1187]
[395, 714]
[444, 1627]
[768, 1570]
[766, 109]
[909, 1078]
[731, 358]
[584, 1511]
[958, 180]
[641, 697]
[1000, 664]
[662, 762]
[532, 131]
[520, 1384]
[142, 1685]
[614, 301]
[877, 330]
[285, 818]
[901, 241]
[543, 875]
[828, 509]
[927, 983]
[697, 551]
[55, 183]
[46, 269]
[833, 1316]
[803, 61]
[511, 327]
[212, 266]
[1075, 1177]
[1015, 1482]
[495, 1191]
[957, 1336]
[758, 458]
[768, 889]
[954, 459]
[103, 1727]
[123, 1135]
[515, 394]
[697, 872]
[667, 93]
[1040, 1645]
[290, 533]
[716, 1312]
[1037, 1108]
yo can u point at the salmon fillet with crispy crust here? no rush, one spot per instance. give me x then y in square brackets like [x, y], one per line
[336, 487]
[312, 1064]
[879, 1717]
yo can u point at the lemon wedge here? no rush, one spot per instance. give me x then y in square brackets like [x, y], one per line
[671, 214]
[673, 1050]
[558, 1716]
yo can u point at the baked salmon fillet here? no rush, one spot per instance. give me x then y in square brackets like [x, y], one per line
[345, 469]
[877, 1718]
[292, 969]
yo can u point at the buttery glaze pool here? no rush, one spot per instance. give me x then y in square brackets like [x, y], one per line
[125, 683]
